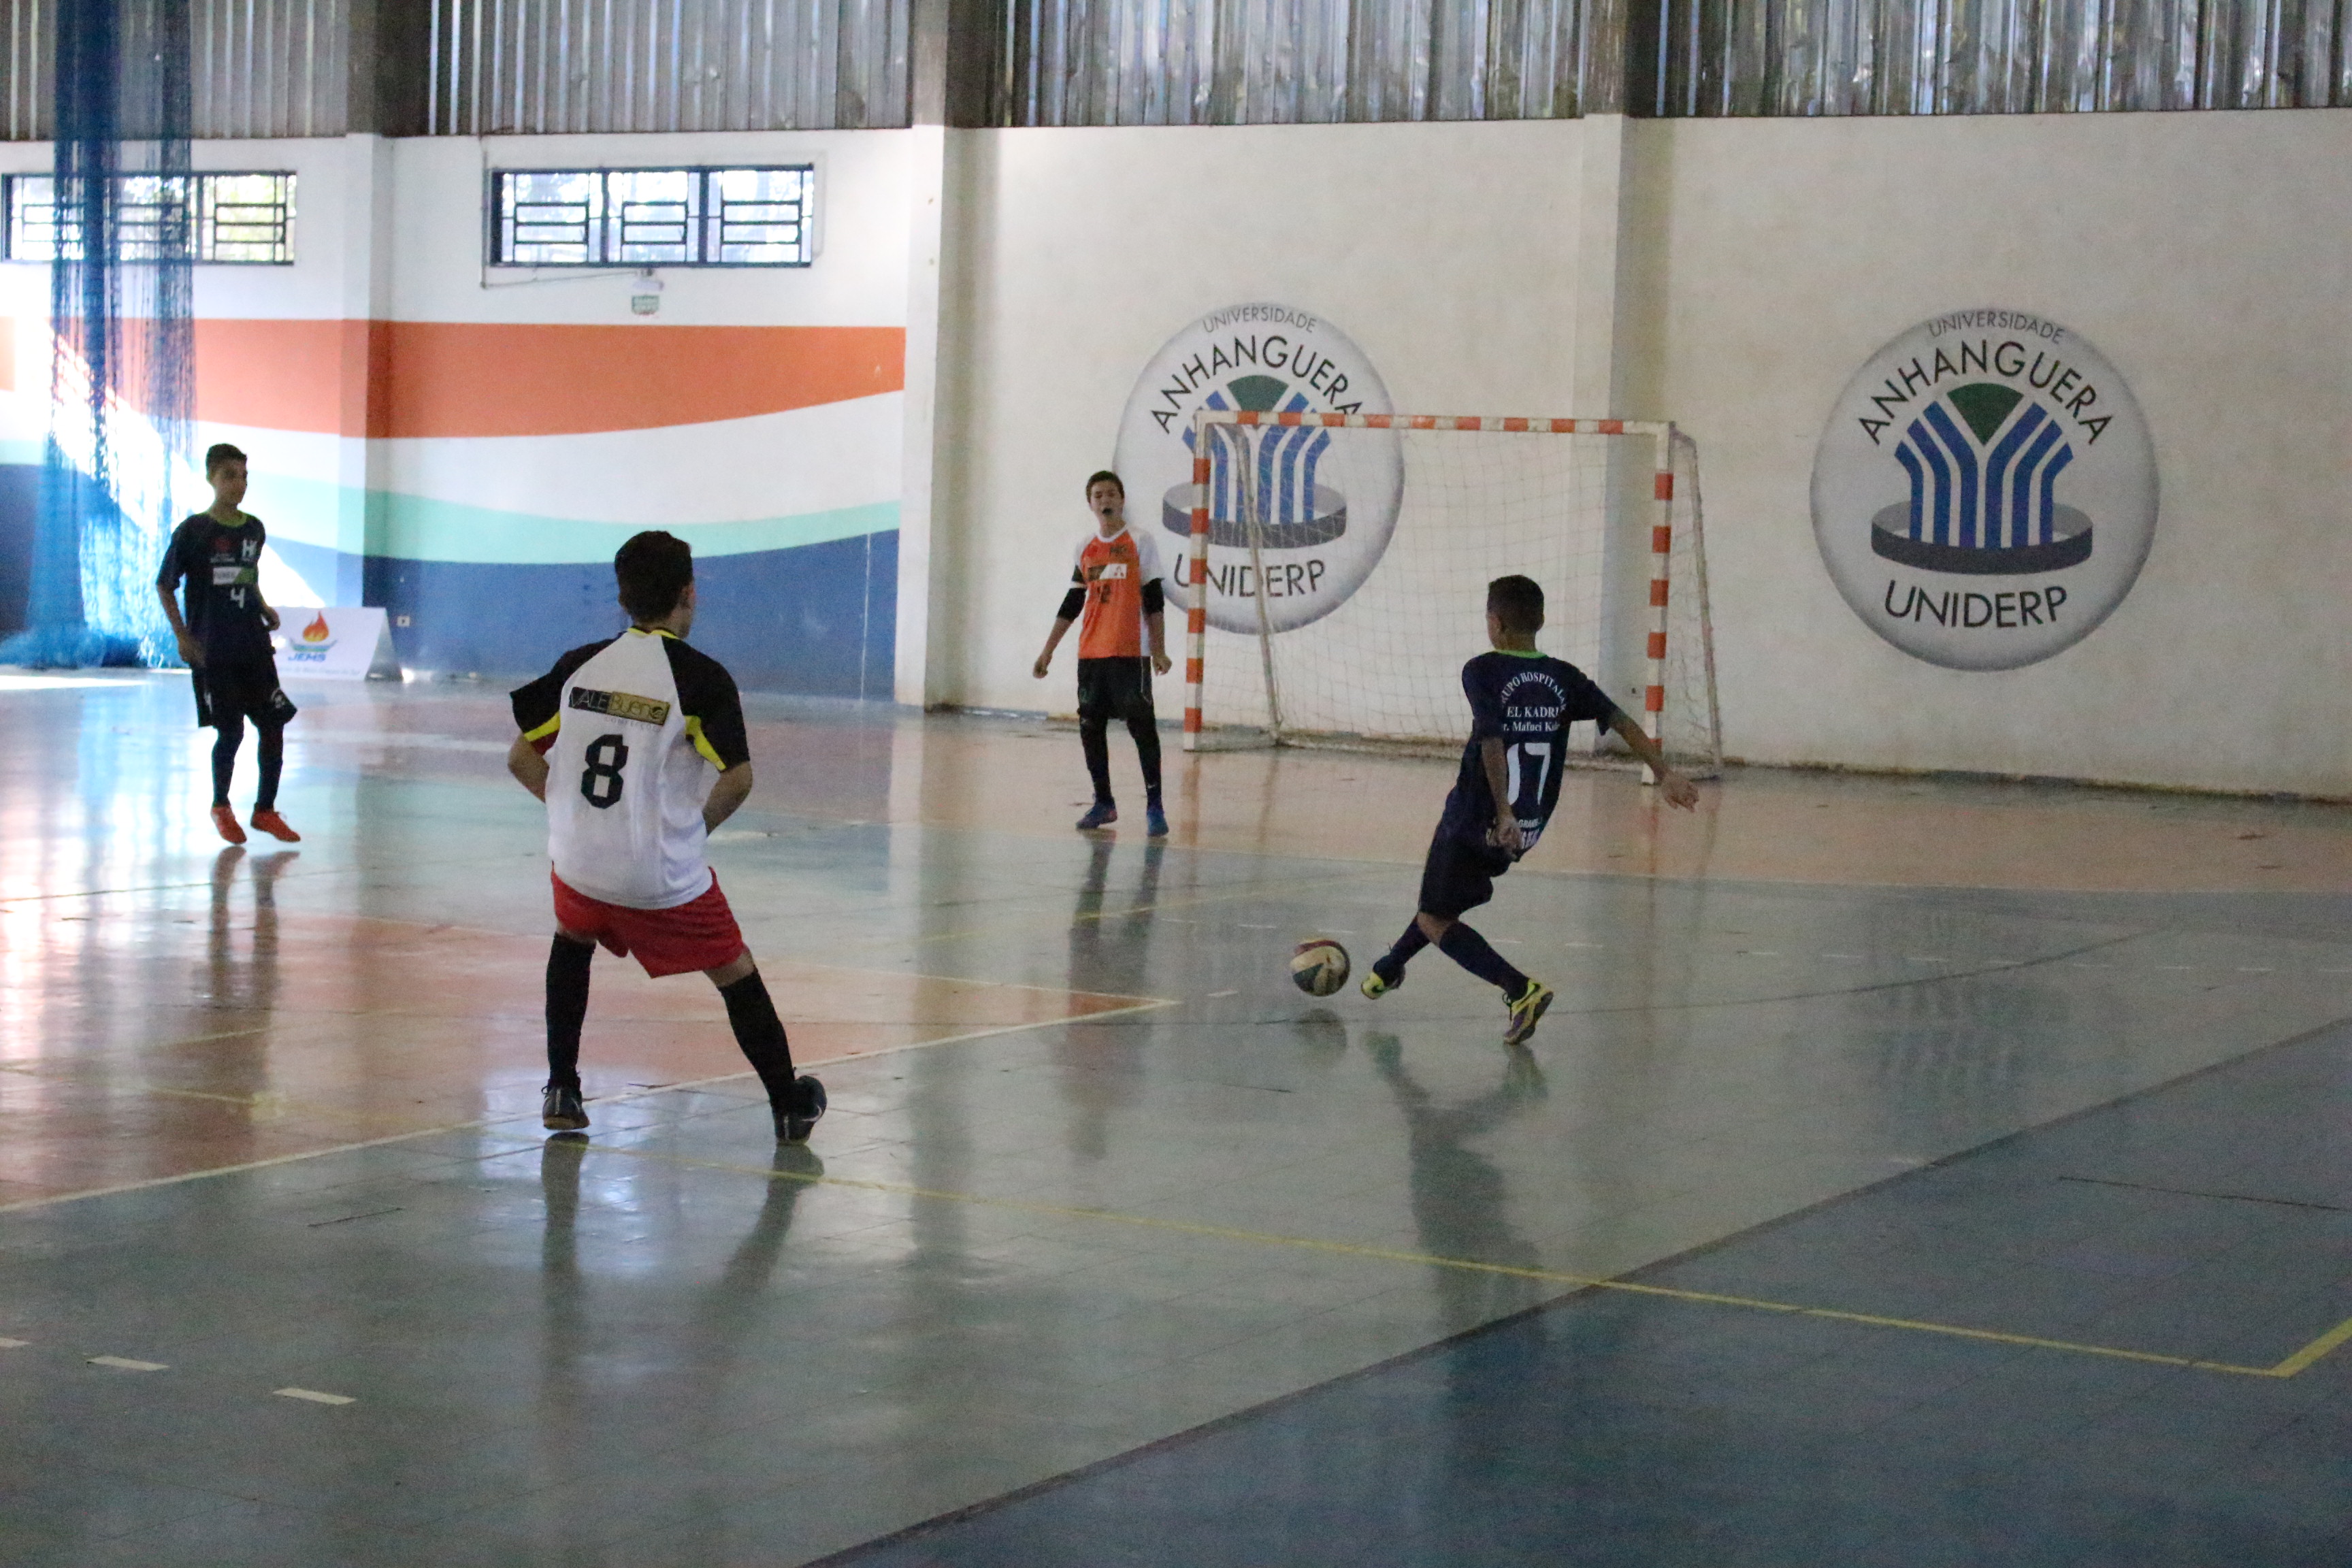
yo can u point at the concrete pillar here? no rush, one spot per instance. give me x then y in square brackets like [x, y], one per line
[365, 303]
[924, 545]
[952, 50]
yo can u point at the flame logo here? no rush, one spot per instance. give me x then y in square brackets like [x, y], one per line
[317, 630]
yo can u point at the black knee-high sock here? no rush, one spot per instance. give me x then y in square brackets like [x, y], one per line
[567, 1008]
[1146, 735]
[228, 734]
[1468, 949]
[760, 1034]
[271, 755]
[1391, 963]
[1095, 740]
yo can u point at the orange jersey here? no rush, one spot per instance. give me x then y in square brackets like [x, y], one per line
[1113, 571]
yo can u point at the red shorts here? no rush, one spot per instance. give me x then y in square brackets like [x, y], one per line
[696, 935]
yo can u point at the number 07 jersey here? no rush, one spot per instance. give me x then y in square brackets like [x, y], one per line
[634, 731]
[1527, 700]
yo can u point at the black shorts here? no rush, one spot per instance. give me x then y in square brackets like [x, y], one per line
[1459, 877]
[241, 687]
[1112, 689]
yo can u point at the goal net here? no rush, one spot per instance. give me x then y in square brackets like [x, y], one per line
[1337, 568]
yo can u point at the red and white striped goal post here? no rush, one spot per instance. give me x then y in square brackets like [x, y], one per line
[1662, 536]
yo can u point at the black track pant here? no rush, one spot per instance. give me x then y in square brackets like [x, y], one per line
[1112, 689]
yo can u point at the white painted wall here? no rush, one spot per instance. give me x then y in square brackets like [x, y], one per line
[1446, 251]
[1726, 273]
[2208, 255]
[1742, 271]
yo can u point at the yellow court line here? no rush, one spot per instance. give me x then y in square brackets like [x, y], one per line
[2297, 1363]
[2309, 1355]
[484, 1124]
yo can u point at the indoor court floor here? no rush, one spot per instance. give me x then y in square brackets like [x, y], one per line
[1911, 1172]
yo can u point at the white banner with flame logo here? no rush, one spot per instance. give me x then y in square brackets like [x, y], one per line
[338, 641]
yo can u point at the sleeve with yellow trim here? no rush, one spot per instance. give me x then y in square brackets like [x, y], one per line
[714, 712]
[539, 706]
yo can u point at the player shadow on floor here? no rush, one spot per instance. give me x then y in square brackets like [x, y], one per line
[707, 1351]
[1109, 954]
[1461, 1202]
[238, 986]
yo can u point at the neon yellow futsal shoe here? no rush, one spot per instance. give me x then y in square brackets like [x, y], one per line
[1375, 986]
[1529, 1007]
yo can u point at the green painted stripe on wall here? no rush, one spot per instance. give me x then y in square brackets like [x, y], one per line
[415, 529]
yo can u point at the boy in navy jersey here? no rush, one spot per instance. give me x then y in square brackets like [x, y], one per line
[1521, 704]
[225, 638]
[637, 744]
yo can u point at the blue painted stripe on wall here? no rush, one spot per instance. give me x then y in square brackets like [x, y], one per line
[819, 619]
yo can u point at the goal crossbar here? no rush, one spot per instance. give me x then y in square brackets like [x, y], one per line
[1662, 496]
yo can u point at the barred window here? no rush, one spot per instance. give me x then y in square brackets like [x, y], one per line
[653, 217]
[222, 219]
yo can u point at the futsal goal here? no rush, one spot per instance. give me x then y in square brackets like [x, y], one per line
[1338, 566]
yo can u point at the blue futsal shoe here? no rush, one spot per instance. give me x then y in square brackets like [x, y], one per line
[1155, 821]
[1103, 814]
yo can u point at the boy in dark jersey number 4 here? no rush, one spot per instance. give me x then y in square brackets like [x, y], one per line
[225, 638]
[637, 744]
[1521, 704]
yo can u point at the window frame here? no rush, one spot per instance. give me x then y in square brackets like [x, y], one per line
[700, 221]
[206, 225]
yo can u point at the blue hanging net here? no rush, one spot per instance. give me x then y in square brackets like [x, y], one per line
[117, 473]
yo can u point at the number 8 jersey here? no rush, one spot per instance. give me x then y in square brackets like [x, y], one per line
[634, 731]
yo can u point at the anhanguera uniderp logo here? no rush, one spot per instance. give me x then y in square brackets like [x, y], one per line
[1986, 492]
[1324, 501]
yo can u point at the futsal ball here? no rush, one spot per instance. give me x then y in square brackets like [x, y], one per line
[1319, 967]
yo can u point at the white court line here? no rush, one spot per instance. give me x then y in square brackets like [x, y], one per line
[54, 683]
[314, 1396]
[124, 1364]
[13, 1344]
[490, 1121]
[417, 739]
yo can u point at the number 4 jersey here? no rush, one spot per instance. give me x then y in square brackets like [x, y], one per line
[1527, 700]
[634, 731]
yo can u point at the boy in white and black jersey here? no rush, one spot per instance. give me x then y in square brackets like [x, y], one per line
[621, 740]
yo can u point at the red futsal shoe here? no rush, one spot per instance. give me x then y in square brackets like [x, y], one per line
[272, 823]
[225, 823]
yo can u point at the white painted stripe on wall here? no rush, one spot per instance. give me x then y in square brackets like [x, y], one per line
[826, 459]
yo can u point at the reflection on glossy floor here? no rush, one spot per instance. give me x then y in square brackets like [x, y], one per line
[1097, 1175]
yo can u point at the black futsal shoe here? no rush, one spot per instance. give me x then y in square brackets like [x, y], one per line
[796, 1124]
[561, 1111]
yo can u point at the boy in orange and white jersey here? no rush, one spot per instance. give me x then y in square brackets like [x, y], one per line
[1117, 596]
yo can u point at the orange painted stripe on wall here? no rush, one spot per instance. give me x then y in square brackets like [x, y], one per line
[464, 378]
[279, 375]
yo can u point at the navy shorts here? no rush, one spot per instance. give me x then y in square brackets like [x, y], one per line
[1459, 876]
[233, 689]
